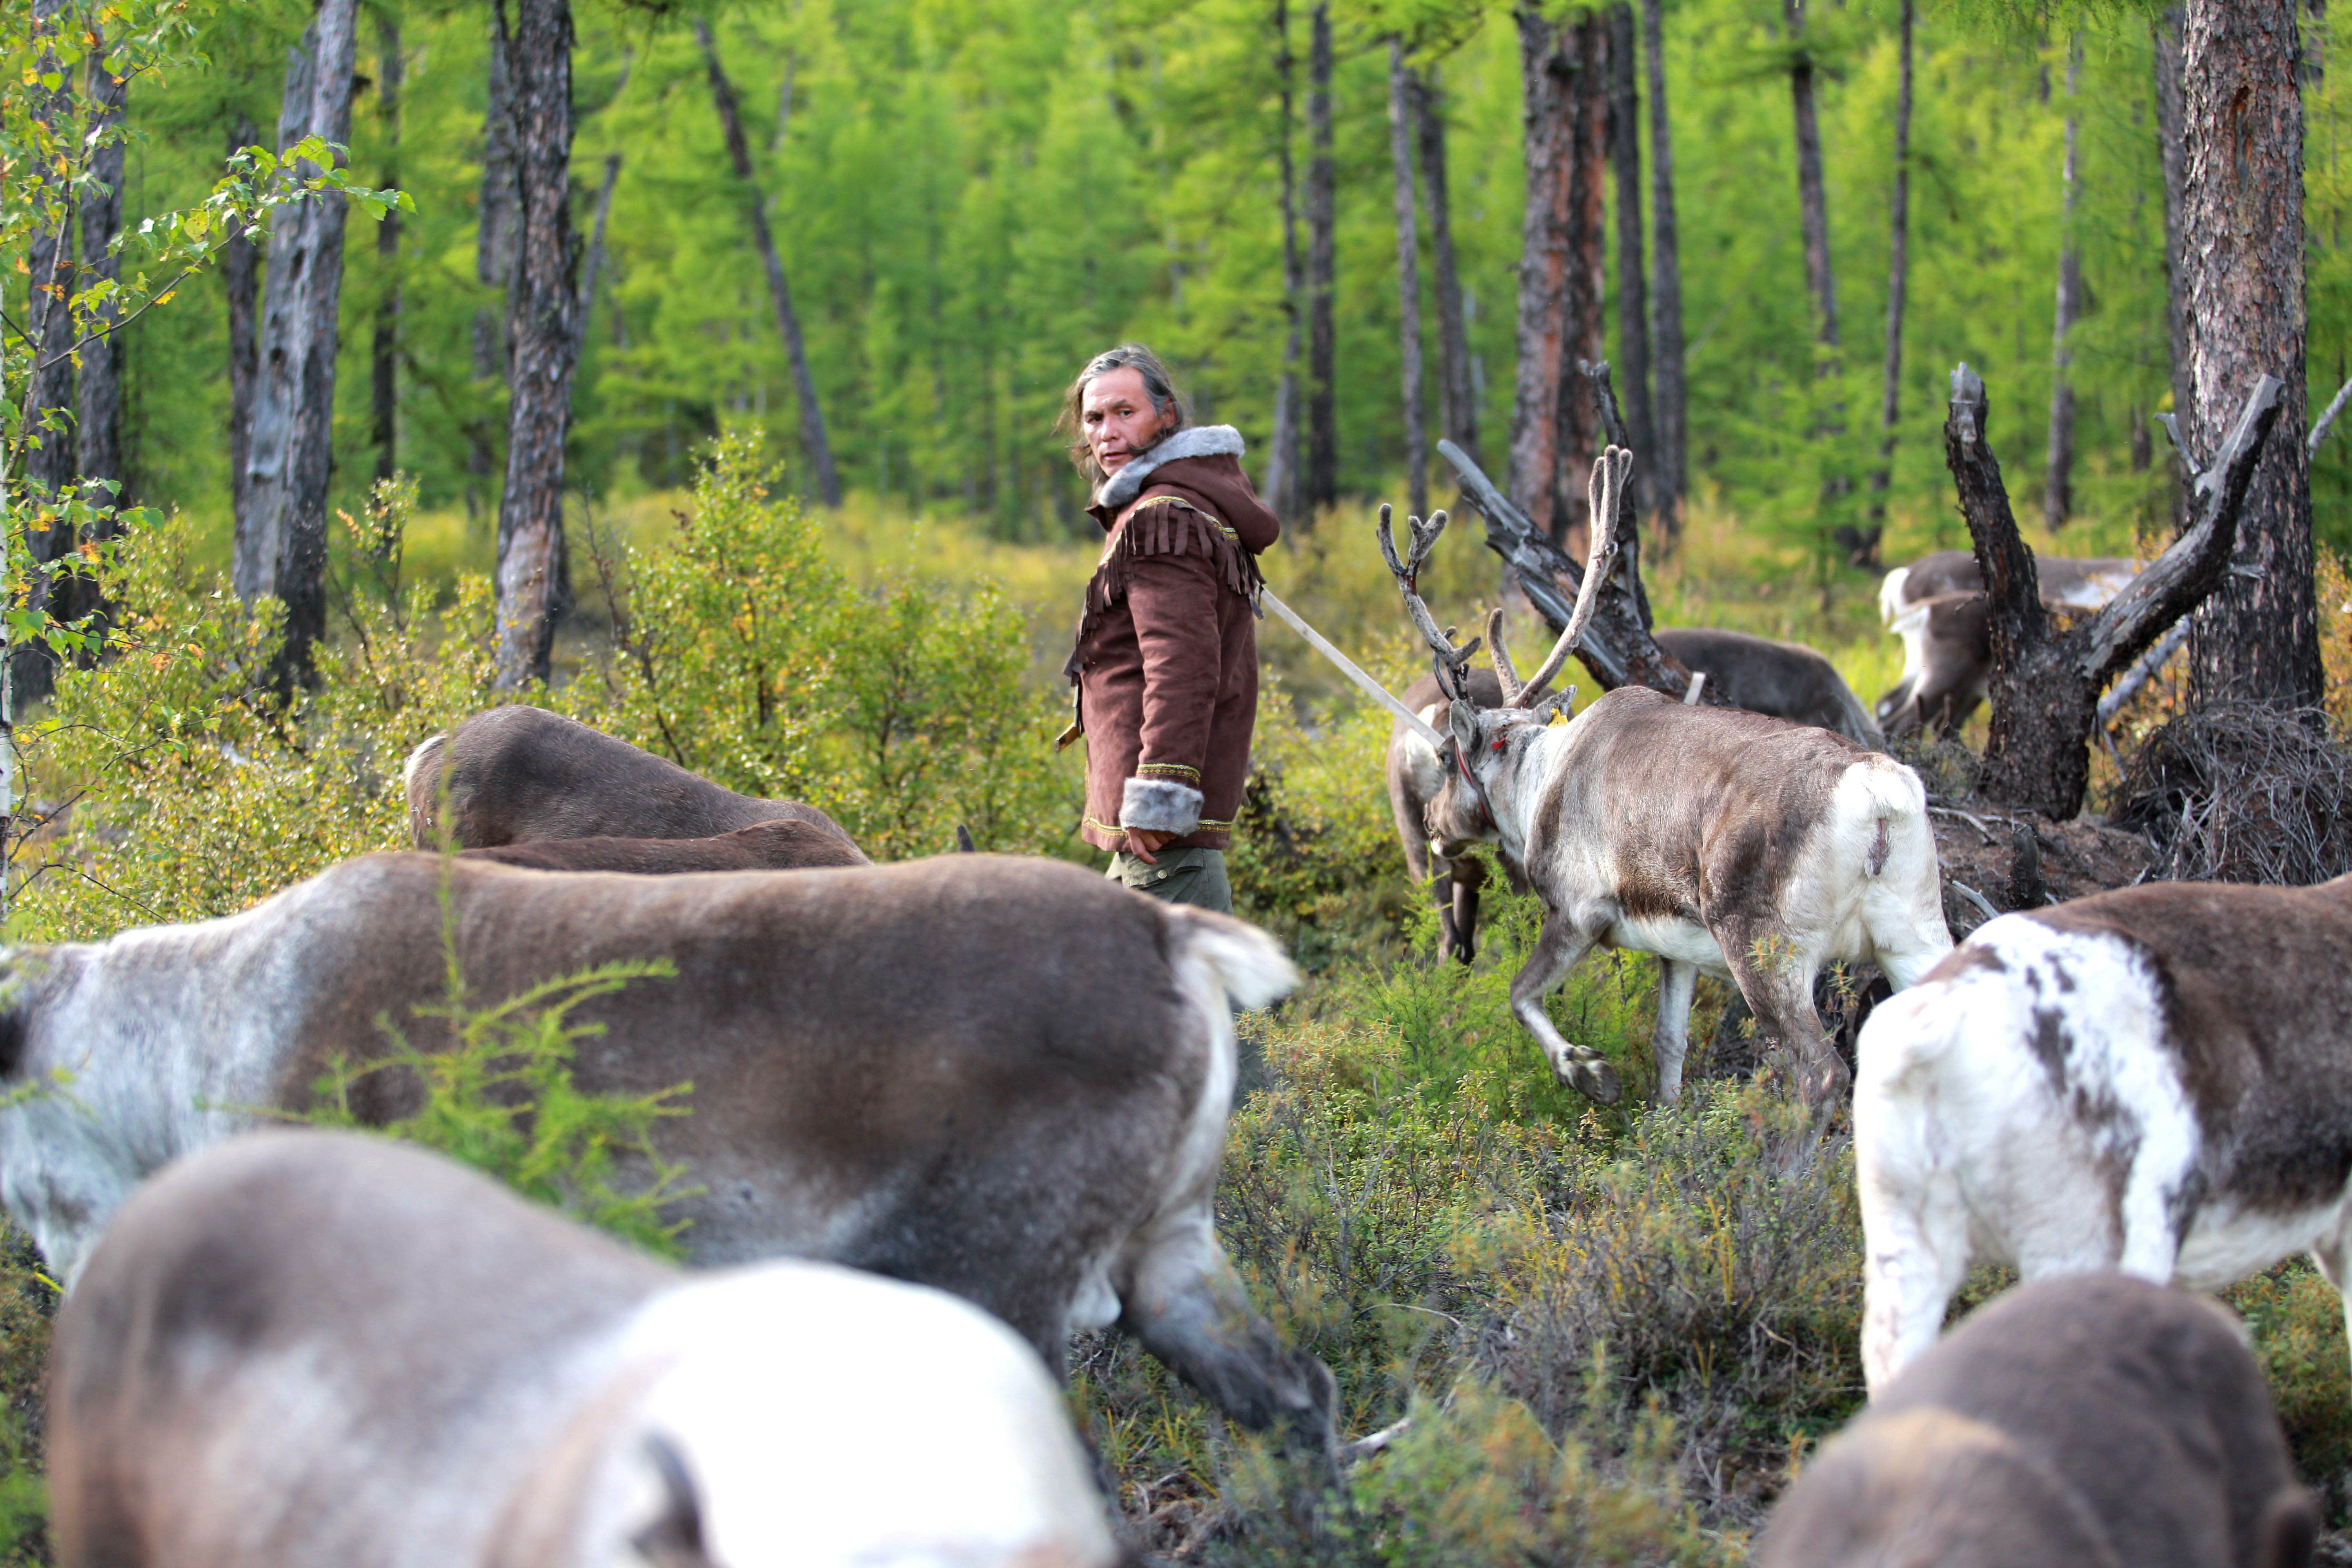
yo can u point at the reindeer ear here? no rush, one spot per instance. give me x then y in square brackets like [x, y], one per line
[1463, 719]
[1558, 708]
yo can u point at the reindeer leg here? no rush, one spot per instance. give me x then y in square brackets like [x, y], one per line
[1671, 1038]
[1556, 950]
[1469, 875]
[1443, 893]
[1778, 985]
[1183, 1299]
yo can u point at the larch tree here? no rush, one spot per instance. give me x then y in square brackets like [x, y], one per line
[1282, 469]
[1457, 391]
[815, 445]
[2172, 156]
[281, 534]
[1408, 247]
[2257, 638]
[533, 586]
[383, 382]
[2057, 489]
[1322, 487]
[1632, 296]
[1898, 284]
[496, 221]
[1671, 469]
[1812, 194]
[1564, 112]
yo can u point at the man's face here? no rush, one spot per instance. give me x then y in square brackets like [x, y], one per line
[1117, 417]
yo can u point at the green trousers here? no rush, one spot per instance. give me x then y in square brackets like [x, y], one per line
[1195, 877]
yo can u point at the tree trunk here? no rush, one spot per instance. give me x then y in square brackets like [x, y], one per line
[1810, 196]
[788, 323]
[1670, 472]
[534, 589]
[495, 222]
[2172, 153]
[99, 450]
[1546, 73]
[593, 268]
[1633, 296]
[2044, 687]
[1282, 471]
[1562, 70]
[2242, 228]
[1322, 340]
[1899, 282]
[281, 547]
[237, 283]
[1408, 244]
[1457, 392]
[384, 382]
[2057, 491]
[1588, 217]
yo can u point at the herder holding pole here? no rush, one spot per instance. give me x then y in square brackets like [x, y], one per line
[1165, 664]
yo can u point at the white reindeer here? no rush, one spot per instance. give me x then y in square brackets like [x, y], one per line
[1751, 847]
[2155, 1080]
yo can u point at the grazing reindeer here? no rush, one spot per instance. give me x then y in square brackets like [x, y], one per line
[2068, 583]
[516, 774]
[1747, 846]
[1003, 1077]
[2154, 1079]
[315, 1348]
[1786, 680]
[2099, 1422]
[1936, 605]
[1947, 665]
[787, 844]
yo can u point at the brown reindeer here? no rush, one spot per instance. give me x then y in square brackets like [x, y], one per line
[325, 1348]
[787, 844]
[1785, 681]
[1755, 848]
[517, 774]
[2095, 1422]
[1003, 1077]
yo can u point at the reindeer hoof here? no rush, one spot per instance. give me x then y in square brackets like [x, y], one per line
[1594, 1079]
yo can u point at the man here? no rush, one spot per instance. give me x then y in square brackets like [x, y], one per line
[1166, 659]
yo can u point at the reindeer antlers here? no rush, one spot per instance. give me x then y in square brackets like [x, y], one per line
[1609, 471]
[1451, 659]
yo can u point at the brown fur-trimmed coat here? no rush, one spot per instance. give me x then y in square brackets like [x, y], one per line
[1165, 661]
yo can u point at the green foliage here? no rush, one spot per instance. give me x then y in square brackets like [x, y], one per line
[743, 654]
[499, 1097]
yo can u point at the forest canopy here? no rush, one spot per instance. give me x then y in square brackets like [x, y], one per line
[969, 196]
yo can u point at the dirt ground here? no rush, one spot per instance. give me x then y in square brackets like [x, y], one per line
[2017, 860]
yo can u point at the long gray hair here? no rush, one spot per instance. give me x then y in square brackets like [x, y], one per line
[1166, 401]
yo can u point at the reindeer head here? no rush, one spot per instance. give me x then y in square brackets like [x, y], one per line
[1482, 752]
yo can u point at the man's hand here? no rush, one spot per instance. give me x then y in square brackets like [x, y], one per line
[1142, 841]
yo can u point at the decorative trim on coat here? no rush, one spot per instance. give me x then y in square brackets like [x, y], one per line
[1161, 525]
[1192, 441]
[1160, 805]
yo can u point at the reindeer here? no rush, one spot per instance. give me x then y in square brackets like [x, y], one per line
[1786, 680]
[2153, 1080]
[1947, 665]
[1003, 1077]
[517, 774]
[1750, 847]
[2086, 1423]
[2068, 583]
[786, 844]
[1936, 605]
[261, 1366]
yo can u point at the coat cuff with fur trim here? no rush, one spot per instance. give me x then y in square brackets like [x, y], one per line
[1160, 805]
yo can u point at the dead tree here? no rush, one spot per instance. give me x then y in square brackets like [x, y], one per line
[2046, 685]
[1617, 647]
